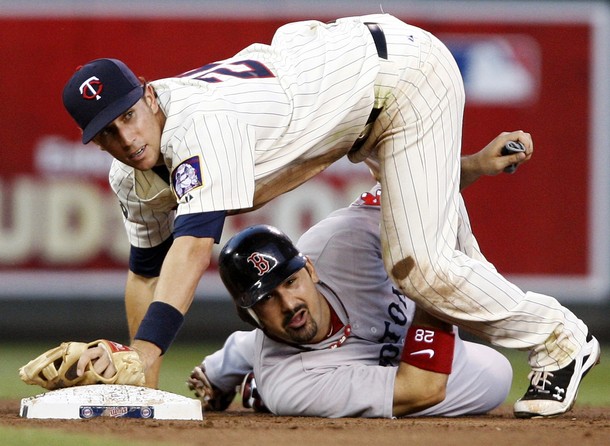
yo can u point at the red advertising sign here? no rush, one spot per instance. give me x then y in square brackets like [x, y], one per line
[544, 226]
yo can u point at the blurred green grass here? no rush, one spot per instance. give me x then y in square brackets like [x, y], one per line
[182, 357]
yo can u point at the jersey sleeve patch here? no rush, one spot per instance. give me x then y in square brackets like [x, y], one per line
[187, 177]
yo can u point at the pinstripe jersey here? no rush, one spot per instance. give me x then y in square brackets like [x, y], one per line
[243, 130]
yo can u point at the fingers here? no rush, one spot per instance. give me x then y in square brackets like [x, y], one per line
[84, 360]
[103, 366]
[521, 136]
[100, 362]
[515, 159]
[193, 381]
[526, 139]
[197, 382]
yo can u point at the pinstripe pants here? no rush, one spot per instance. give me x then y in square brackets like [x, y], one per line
[429, 249]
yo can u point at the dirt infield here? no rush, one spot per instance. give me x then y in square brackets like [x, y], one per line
[583, 426]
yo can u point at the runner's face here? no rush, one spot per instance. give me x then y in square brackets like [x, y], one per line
[295, 311]
[134, 138]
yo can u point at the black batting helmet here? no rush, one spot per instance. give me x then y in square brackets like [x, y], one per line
[255, 261]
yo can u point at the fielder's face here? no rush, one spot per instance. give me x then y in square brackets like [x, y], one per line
[295, 311]
[134, 138]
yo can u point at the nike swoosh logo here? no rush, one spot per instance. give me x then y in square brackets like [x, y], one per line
[428, 352]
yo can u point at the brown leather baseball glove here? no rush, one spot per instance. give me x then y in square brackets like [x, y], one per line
[56, 368]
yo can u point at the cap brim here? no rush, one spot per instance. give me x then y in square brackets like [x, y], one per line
[110, 113]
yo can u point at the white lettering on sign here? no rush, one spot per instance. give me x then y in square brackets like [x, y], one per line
[55, 155]
[69, 222]
[19, 235]
[74, 223]
[59, 222]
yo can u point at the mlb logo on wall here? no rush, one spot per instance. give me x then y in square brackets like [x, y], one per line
[497, 69]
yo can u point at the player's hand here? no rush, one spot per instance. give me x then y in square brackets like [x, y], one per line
[100, 361]
[212, 398]
[490, 160]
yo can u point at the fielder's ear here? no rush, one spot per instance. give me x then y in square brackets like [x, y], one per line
[150, 97]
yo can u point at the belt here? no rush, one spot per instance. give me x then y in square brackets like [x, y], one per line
[382, 51]
[379, 39]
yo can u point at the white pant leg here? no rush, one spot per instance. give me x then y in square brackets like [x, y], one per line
[418, 141]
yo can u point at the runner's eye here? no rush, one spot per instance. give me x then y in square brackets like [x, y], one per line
[265, 298]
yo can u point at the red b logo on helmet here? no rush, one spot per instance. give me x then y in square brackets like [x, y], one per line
[261, 263]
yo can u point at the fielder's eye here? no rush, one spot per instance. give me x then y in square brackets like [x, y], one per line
[103, 135]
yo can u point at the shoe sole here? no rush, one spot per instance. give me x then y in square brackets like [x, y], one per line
[592, 360]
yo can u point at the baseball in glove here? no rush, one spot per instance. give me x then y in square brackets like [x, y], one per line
[56, 368]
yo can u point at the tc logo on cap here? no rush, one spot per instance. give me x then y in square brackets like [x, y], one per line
[91, 88]
[84, 100]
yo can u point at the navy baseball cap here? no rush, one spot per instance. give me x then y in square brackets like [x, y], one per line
[99, 92]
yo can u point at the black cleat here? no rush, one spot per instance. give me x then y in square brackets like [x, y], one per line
[554, 393]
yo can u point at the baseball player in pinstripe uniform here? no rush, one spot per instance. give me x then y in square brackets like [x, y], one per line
[234, 134]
